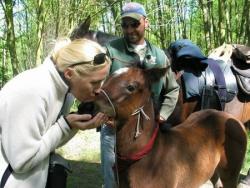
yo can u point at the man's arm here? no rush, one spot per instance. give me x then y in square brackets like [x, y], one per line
[170, 96]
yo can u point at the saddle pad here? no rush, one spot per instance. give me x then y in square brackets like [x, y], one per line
[193, 85]
[219, 78]
[196, 87]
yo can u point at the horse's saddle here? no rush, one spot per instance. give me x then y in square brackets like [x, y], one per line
[216, 85]
[241, 54]
[241, 67]
[214, 79]
[240, 63]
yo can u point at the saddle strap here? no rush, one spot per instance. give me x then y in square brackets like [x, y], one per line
[6, 175]
[220, 80]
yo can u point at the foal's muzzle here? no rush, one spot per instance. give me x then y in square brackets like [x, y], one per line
[106, 96]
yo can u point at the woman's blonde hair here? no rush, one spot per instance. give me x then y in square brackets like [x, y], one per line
[79, 54]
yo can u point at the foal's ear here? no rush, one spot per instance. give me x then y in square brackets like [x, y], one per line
[155, 74]
[81, 30]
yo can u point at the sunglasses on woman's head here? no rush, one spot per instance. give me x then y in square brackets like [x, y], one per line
[134, 24]
[98, 60]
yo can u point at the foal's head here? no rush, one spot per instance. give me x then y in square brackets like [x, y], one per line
[126, 90]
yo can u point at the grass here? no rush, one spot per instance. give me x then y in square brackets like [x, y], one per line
[83, 152]
[85, 175]
[246, 164]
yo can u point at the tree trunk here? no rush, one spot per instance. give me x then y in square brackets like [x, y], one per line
[182, 12]
[214, 37]
[10, 41]
[247, 27]
[114, 12]
[221, 26]
[3, 77]
[205, 15]
[228, 25]
[40, 27]
[57, 7]
[161, 24]
[245, 22]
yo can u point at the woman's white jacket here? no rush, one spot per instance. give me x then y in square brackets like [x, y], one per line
[29, 125]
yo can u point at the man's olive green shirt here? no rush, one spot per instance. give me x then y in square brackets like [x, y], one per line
[167, 89]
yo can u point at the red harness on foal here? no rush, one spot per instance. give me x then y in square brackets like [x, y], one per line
[145, 150]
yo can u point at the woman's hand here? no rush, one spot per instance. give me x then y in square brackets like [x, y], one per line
[110, 123]
[86, 121]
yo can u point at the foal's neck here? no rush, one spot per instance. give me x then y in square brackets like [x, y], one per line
[126, 142]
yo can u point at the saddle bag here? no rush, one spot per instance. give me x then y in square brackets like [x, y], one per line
[58, 172]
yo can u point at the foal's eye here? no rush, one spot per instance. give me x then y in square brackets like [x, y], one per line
[130, 88]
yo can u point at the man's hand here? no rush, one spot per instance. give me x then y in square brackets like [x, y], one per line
[86, 121]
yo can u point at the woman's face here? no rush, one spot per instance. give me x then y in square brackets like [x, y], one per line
[84, 87]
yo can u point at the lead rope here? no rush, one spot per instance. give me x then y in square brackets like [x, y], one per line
[115, 150]
[138, 112]
[110, 102]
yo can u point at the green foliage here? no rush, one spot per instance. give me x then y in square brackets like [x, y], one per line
[246, 165]
[57, 18]
[169, 20]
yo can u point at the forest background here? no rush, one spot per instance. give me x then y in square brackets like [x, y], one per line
[29, 28]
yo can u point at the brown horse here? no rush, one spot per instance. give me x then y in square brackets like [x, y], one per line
[207, 144]
[238, 106]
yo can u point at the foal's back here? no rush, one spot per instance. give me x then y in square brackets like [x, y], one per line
[188, 155]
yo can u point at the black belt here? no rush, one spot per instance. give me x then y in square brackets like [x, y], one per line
[6, 175]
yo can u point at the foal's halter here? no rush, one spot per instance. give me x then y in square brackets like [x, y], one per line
[147, 148]
[138, 112]
[110, 102]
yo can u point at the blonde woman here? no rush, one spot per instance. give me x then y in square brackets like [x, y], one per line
[34, 108]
